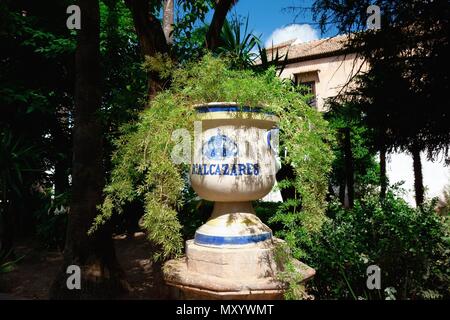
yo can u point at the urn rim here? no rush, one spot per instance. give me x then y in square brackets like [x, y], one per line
[230, 110]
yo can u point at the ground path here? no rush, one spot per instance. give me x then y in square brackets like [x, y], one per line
[34, 274]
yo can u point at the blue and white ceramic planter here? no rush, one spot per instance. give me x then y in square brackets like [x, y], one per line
[233, 164]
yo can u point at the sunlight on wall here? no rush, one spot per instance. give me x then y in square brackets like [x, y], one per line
[435, 175]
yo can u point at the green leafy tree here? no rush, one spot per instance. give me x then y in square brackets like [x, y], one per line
[35, 94]
[94, 254]
[404, 91]
[150, 29]
[355, 168]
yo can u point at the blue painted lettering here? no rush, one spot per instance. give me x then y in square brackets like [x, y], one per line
[225, 170]
[256, 169]
[235, 169]
[249, 169]
[211, 170]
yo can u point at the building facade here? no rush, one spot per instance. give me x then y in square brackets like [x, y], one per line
[326, 68]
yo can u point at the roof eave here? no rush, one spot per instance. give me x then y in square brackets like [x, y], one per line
[317, 56]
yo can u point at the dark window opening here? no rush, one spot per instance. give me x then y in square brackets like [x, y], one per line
[310, 89]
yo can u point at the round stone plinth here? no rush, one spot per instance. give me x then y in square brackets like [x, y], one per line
[229, 273]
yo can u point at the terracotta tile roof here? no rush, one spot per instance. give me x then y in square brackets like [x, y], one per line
[281, 45]
[311, 49]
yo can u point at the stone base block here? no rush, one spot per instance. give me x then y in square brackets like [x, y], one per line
[256, 261]
[213, 273]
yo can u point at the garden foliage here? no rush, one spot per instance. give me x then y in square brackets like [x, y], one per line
[142, 162]
[411, 246]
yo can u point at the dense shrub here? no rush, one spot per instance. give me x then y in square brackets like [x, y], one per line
[411, 246]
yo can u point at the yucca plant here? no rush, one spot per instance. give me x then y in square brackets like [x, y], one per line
[279, 61]
[15, 159]
[239, 44]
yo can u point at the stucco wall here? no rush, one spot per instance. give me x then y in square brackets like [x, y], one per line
[332, 74]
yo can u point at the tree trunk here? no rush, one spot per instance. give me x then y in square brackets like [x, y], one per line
[383, 176]
[168, 20]
[220, 14]
[418, 178]
[342, 192]
[349, 168]
[61, 177]
[95, 255]
[151, 37]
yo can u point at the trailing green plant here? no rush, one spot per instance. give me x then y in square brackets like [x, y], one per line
[288, 274]
[142, 161]
[411, 246]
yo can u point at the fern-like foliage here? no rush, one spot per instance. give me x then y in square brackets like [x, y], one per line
[142, 162]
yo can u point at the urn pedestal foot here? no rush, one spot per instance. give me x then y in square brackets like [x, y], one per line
[229, 273]
[232, 225]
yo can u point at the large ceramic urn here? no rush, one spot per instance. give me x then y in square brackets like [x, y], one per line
[234, 162]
